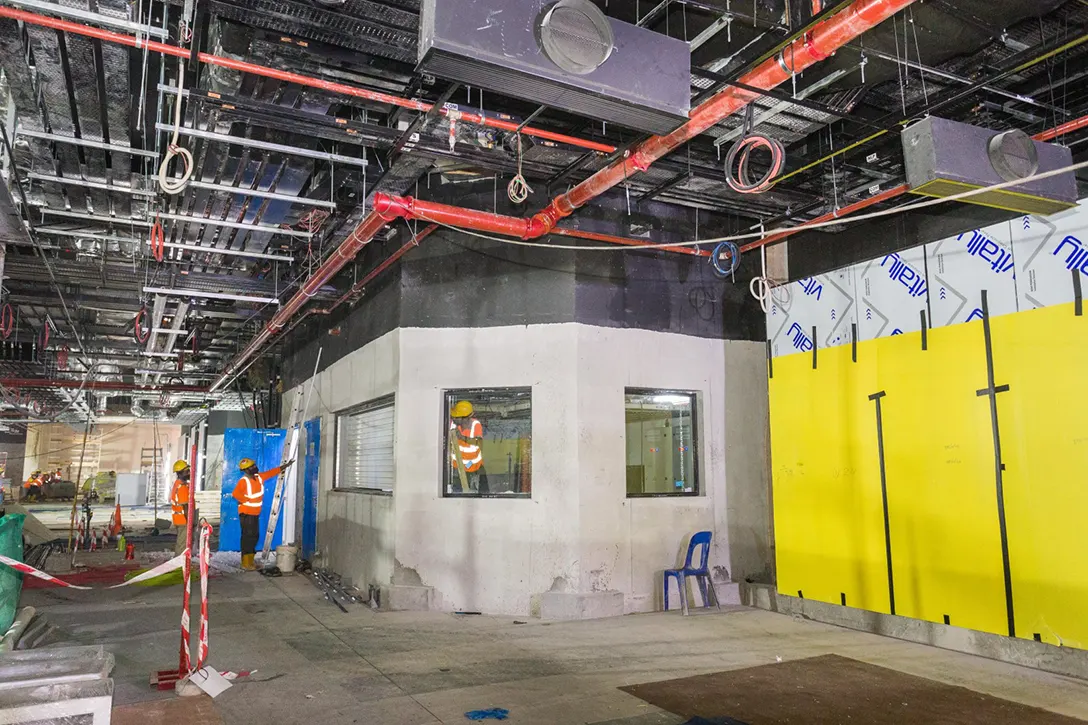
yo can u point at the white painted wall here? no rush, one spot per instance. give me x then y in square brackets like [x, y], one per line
[354, 530]
[579, 533]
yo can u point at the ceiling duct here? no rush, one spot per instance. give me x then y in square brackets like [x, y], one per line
[945, 157]
[568, 56]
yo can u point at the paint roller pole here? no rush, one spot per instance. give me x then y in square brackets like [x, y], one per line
[75, 498]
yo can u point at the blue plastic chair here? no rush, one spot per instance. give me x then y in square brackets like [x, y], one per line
[701, 573]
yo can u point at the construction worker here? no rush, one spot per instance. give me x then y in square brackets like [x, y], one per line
[179, 502]
[32, 489]
[249, 493]
[466, 450]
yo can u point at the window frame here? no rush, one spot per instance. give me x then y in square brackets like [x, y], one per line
[696, 442]
[449, 394]
[384, 401]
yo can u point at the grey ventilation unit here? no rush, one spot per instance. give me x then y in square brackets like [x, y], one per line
[945, 157]
[565, 55]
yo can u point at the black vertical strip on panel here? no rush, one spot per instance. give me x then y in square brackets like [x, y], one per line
[991, 392]
[814, 346]
[947, 619]
[884, 498]
[1078, 302]
[842, 598]
[770, 360]
[854, 341]
[925, 341]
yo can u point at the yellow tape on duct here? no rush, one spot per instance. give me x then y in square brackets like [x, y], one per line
[829, 531]
[938, 442]
[1041, 355]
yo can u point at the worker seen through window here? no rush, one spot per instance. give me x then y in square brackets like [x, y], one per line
[466, 435]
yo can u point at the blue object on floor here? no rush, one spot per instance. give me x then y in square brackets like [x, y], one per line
[495, 713]
[701, 573]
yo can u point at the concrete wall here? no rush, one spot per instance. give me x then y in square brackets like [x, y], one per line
[579, 546]
[354, 529]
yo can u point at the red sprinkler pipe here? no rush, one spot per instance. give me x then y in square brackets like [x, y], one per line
[1068, 127]
[359, 238]
[824, 39]
[361, 284]
[288, 77]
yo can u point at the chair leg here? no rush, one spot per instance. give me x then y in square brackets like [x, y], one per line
[702, 580]
[713, 593]
[683, 581]
[665, 580]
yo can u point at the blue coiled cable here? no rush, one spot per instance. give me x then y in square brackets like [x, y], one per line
[734, 258]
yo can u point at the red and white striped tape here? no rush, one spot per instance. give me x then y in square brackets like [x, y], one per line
[205, 562]
[163, 568]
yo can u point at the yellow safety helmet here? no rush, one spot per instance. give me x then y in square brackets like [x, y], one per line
[463, 409]
[246, 463]
[180, 465]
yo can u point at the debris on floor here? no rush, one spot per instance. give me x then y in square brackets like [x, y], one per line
[495, 713]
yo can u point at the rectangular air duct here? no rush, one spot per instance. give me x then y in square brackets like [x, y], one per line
[945, 157]
[500, 45]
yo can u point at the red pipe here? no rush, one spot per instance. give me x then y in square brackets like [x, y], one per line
[375, 96]
[823, 40]
[358, 239]
[1068, 127]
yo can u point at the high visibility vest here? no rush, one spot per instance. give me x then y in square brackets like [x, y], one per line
[249, 493]
[470, 452]
[179, 499]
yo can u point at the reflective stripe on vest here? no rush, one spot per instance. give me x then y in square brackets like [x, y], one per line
[254, 496]
[471, 454]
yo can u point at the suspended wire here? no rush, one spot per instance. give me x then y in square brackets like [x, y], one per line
[168, 184]
[923, 204]
[518, 189]
[918, 52]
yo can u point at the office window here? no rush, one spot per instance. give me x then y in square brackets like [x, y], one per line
[364, 447]
[661, 443]
[488, 448]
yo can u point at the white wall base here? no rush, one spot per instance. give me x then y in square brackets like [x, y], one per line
[575, 605]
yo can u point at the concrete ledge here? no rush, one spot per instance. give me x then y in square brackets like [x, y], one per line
[728, 592]
[400, 598]
[580, 605]
[1038, 655]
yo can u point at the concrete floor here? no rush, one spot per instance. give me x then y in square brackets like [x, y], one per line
[324, 666]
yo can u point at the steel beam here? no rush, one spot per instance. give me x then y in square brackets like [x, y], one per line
[88, 17]
[228, 252]
[210, 295]
[262, 145]
[234, 225]
[262, 194]
[91, 184]
[58, 138]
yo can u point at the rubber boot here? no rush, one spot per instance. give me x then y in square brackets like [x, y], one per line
[247, 562]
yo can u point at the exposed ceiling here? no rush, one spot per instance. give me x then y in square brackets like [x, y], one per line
[282, 172]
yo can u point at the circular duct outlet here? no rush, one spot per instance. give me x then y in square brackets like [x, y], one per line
[1013, 155]
[576, 36]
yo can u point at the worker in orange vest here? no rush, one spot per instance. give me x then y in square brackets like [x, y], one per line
[466, 450]
[33, 486]
[179, 502]
[249, 493]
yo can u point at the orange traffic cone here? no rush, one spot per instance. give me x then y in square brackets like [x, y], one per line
[116, 520]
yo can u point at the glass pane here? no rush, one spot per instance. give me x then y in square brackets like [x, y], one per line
[661, 443]
[488, 443]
